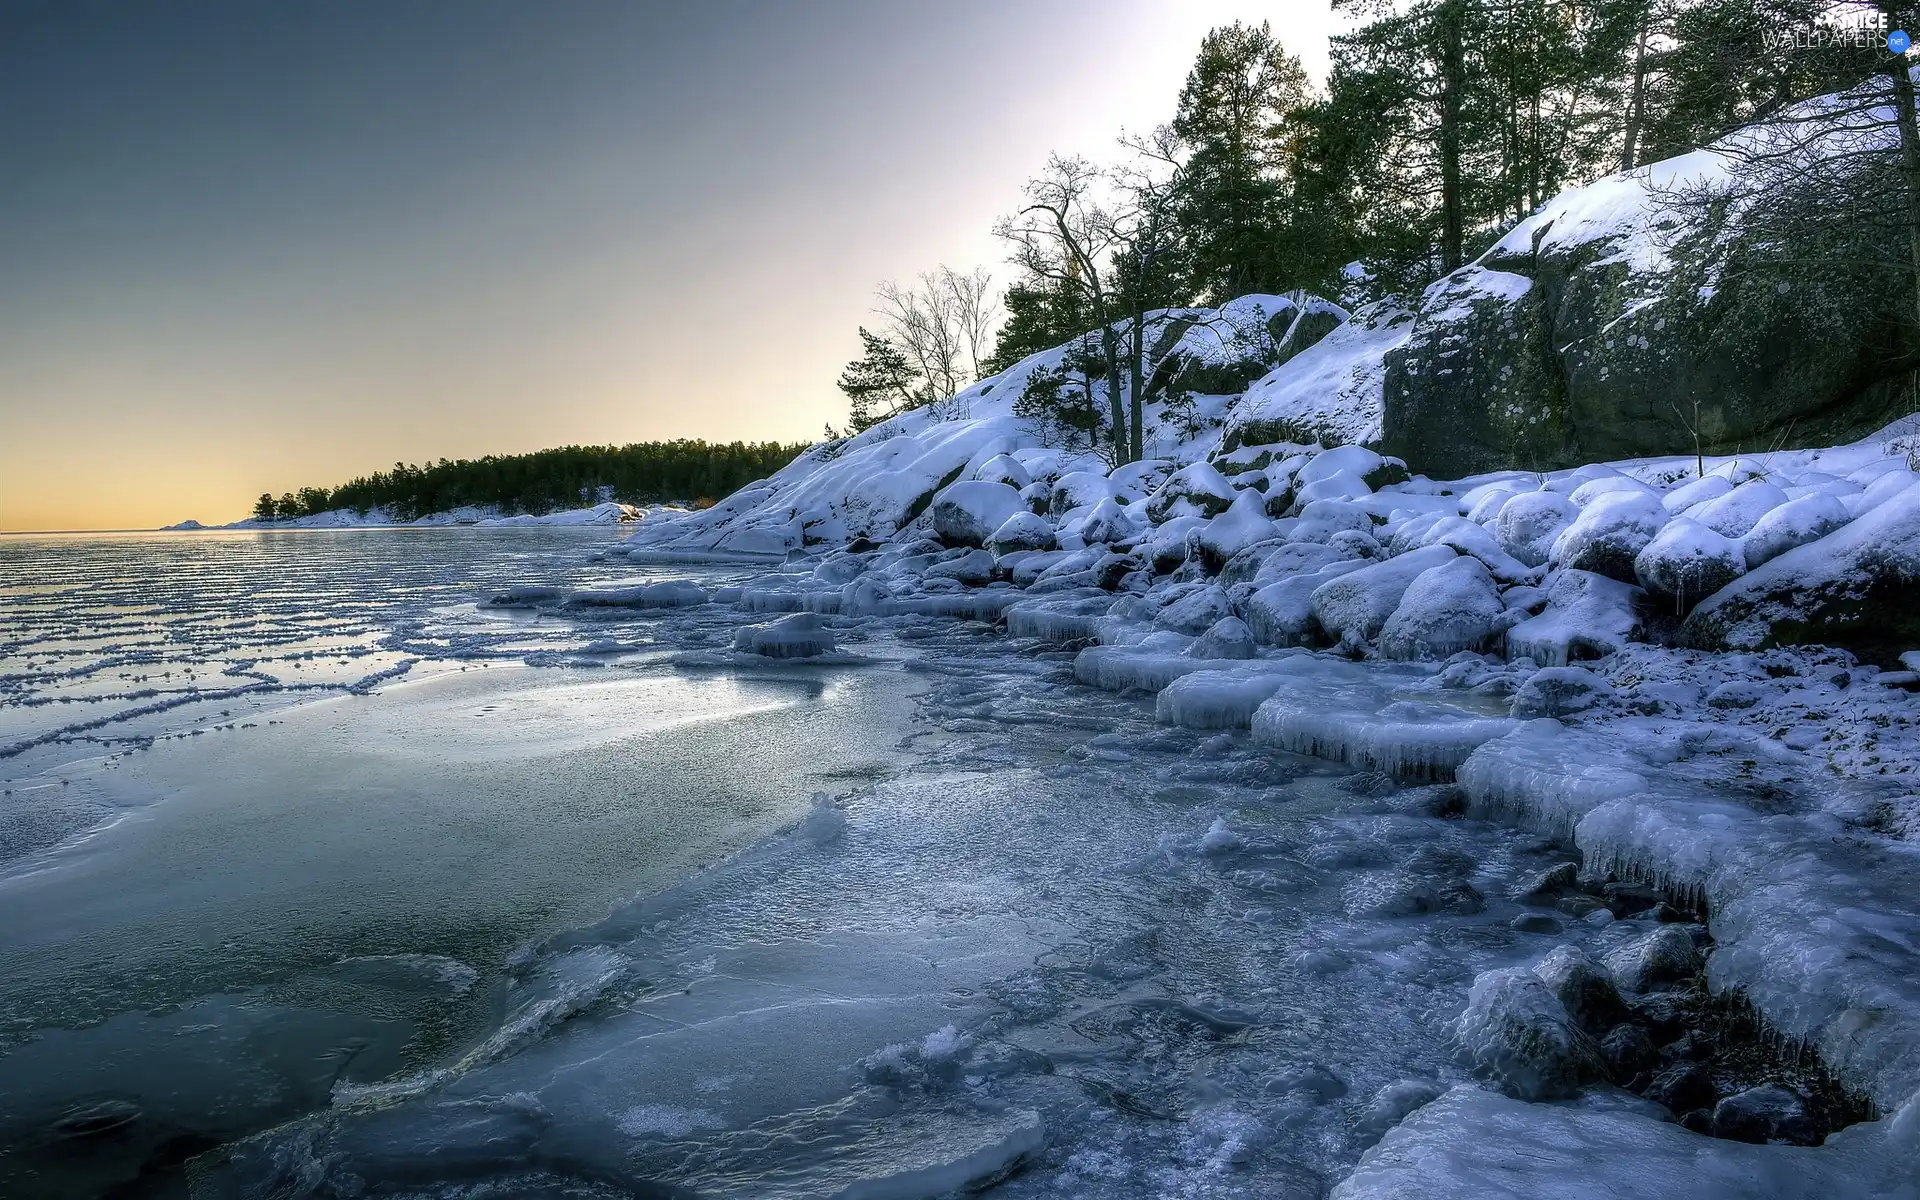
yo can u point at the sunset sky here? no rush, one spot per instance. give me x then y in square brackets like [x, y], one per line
[246, 247]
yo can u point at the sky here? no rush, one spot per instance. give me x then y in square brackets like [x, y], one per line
[250, 247]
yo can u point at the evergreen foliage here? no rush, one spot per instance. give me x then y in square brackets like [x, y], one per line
[567, 477]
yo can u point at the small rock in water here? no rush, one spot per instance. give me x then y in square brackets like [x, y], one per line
[1535, 923]
[1219, 839]
[1391, 1105]
[1549, 885]
[1768, 1113]
[802, 635]
[1577, 906]
[1599, 918]
[1661, 957]
[1516, 1033]
[823, 823]
[1583, 987]
[1311, 1079]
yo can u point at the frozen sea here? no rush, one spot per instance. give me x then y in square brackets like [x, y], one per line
[325, 876]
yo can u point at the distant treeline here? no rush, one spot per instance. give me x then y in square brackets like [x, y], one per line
[568, 477]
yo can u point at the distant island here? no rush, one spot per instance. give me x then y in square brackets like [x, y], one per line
[566, 479]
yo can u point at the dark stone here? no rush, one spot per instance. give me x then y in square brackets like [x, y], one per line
[1594, 362]
[1628, 1050]
[1549, 885]
[1322, 1085]
[1691, 1046]
[1666, 955]
[1583, 988]
[1536, 923]
[1666, 914]
[1768, 1113]
[1663, 1013]
[860, 545]
[1699, 1121]
[1682, 1087]
[1578, 906]
[1630, 899]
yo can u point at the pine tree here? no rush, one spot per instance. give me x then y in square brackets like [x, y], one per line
[880, 383]
[264, 509]
[1237, 116]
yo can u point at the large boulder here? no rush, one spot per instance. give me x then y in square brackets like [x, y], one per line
[1617, 323]
[1360, 603]
[1446, 609]
[1853, 588]
[968, 513]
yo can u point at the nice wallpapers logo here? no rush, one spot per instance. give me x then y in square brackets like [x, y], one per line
[1856, 31]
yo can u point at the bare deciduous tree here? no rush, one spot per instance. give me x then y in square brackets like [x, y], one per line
[944, 322]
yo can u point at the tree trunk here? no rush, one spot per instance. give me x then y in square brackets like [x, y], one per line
[1136, 366]
[1452, 83]
[1637, 106]
[1903, 101]
[1110, 350]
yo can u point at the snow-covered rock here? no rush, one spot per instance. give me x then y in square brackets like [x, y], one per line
[1197, 610]
[802, 635]
[1242, 525]
[968, 513]
[1280, 613]
[1853, 588]
[1736, 512]
[1004, 468]
[1077, 489]
[1197, 490]
[1446, 609]
[1228, 637]
[1686, 562]
[1530, 522]
[1795, 523]
[1586, 616]
[1608, 534]
[1360, 603]
[1109, 522]
[1022, 531]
